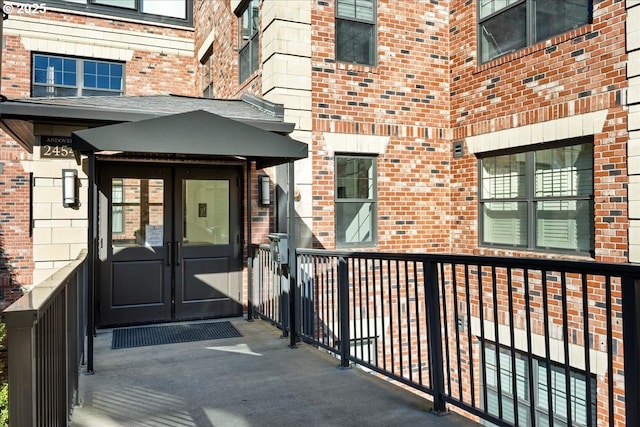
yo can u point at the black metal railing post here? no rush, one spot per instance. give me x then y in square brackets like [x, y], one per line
[285, 291]
[631, 333]
[293, 328]
[250, 281]
[343, 310]
[434, 323]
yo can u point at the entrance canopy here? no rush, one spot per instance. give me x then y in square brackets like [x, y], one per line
[193, 133]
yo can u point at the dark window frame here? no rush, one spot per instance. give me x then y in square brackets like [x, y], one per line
[249, 45]
[373, 42]
[343, 200]
[536, 364]
[529, 26]
[79, 86]
[207, 77]
[89, 6]
[531, 199]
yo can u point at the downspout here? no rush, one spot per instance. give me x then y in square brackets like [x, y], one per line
[293, 265]
[249, 248]
[91, 259]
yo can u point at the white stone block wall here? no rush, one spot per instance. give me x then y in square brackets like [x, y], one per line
[286, 79]
[59, 233]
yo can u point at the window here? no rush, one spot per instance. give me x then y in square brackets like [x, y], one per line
[207, 78]
[248, 60]
[364, 349]
[508, 25]
[504, 391]
[356, 31]
[154, 10]
[355, 201]
[117, 207]
[55, 76]
[539, 199]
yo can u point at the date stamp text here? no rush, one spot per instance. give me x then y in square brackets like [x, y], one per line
[24, 9]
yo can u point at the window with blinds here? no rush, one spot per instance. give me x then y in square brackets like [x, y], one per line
[501, 392]
[539, 200]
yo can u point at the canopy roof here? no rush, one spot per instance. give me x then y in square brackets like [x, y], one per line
[193, 133]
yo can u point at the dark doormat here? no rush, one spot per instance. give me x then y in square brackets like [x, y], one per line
[170, 334]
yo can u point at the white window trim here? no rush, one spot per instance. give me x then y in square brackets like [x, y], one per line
[552, 130]
[597, 359]
[351, 143]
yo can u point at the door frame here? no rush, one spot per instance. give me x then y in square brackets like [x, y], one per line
[185, 255]
[105, 170]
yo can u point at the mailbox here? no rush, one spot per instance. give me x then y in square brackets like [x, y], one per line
[279, 243]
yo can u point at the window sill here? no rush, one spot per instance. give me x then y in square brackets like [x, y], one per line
[348, 66]
[354, 248]
[530, 253]
[246, 82]
[556, 40]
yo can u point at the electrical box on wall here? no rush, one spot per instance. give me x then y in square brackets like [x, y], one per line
[279, 244]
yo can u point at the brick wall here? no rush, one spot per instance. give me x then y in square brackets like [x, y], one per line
[216, 38]
[571, 75]
[428, 90]
[403, 98]
[159, 59]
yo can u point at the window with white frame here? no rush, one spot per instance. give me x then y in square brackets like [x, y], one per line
[355, 200]
[500, 390]
[248, 51]
[539, 200]
[55, 76]
[508, 25]
[356, 31]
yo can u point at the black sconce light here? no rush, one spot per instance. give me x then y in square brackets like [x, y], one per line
[264, 193]
[70, 188]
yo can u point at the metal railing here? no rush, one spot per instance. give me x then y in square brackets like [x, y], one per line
[45, 340]
[269, 296]
[512, 341]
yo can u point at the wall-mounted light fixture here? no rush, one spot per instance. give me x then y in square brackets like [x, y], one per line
[264, 193]
[70, 188]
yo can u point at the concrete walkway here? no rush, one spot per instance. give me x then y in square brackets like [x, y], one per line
[255, 380]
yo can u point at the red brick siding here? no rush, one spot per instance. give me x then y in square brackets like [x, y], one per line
[404, 97]
[577, 72]
[147, 73]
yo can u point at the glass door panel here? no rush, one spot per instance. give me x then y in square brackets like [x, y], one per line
[135, 240]
[137, 212]
[206, 212]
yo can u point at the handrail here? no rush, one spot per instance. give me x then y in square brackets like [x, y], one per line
[514, 262]
[428, 321]
[45, 329]
[30, 307]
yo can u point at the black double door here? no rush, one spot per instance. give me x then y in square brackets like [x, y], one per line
[169, 243]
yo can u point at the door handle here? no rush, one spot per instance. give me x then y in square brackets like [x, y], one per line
[169, 257]
[178, 250]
